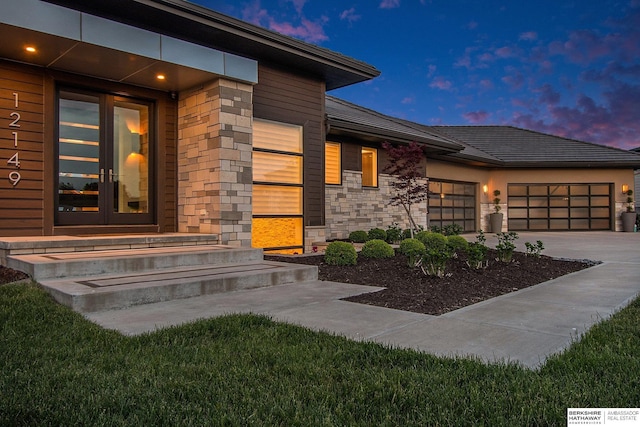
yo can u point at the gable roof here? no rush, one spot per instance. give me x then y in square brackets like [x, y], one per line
[347, 119]
[510, 146]
[196, 24]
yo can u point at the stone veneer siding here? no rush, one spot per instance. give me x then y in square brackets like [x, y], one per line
[350, 207]
[214, 161]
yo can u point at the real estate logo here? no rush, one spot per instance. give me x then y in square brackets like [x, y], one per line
[603, 416]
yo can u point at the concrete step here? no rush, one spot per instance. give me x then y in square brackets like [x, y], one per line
[106, 292]
[128, 261]
[28, 245]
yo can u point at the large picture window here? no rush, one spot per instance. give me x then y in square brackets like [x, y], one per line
[277, 187]
[452, 202]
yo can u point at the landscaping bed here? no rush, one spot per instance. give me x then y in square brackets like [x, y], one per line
[8, 275]
[410, 290]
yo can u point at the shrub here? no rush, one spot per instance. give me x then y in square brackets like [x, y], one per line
[377, 234]
[477, 252]
[505, 246]
[340, 253]
[406, 234]
[413, 249]
[394, 233]
[358, 236]
[434, 261]
[452, 230]
[534, 250]
[377, 248]
[457, 243]
[432, 241]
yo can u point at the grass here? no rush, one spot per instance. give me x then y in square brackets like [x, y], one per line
[56, 368]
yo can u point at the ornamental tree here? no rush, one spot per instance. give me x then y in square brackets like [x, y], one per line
[404, 165]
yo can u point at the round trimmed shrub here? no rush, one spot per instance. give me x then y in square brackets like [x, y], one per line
[377, 248]
[412, 247]
[394, 234]
[457, 243]
[432, 241]
[340, 253]
[358, 236]
[377, 234]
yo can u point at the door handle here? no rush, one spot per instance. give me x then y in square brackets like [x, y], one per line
[111, 175]
[101, 175]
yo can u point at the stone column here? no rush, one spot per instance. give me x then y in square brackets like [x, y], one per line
[214, 161]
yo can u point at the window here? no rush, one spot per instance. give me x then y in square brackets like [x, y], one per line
[277, 187]
[369, 167]
[332, 167]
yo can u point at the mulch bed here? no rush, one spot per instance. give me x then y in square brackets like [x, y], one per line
[8, 275]
[410, 290]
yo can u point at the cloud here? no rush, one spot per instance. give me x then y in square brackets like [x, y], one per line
[433, 68]
[505, 52]
[486, 84]
[310, 31]
[528, 36]
[349, 15]
[548, 95]
[476, 117]
[408, 100]
[441, 83]
[515, 80]
[389, 4]
[472, 25]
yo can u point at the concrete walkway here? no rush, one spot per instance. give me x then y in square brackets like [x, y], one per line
[523, 327]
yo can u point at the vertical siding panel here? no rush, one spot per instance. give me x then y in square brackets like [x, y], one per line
[21, 206]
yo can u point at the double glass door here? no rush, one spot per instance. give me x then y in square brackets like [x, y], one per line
[104, 151]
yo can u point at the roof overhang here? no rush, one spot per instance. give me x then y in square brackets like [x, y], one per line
[366, 132]
[69, 40]
[186, 21]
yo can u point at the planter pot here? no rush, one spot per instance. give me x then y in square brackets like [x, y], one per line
[495, 220]
[628, 221]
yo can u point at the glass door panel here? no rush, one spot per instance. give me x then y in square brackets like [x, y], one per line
[79, 154]
[130, 152]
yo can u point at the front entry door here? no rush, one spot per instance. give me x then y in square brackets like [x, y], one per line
[104, 152]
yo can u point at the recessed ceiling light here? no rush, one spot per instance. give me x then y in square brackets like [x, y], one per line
[30, 49]
[160, 77]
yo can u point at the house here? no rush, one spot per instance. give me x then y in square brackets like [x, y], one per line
[158, 116]
[546, 183]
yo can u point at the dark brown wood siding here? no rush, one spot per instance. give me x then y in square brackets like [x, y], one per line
[21, 205]
[289, 98]
[168, 169]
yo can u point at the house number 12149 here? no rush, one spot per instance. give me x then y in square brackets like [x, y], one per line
[14, 176]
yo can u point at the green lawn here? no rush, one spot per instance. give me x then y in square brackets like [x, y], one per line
[59, 369]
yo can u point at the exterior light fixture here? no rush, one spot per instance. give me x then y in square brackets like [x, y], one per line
[30, 49]
[160, 77]
[625, 188]
[485, 189]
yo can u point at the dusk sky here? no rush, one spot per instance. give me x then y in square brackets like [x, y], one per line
[569, 68]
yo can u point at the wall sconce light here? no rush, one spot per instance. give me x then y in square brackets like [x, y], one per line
[442, 195]
[625, 188]
[485, 189]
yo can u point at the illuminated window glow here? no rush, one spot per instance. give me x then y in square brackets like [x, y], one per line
[332, 167]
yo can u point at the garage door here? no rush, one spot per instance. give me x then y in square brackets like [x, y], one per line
[559, 207]
[452, 202]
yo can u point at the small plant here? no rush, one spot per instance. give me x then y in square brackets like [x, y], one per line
[457, 243]
[434, 261]
[377, 248]
[358, 236]
[534, 250]
[394, 233]
[452, 230]
[377, 233]
[629, 200]
[436, 229]
[340, 253]
[413, 249]
[432, 241]
[477, 252]
[496, 201]
[505, 246]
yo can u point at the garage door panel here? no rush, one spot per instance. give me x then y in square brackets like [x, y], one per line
[559, 206]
